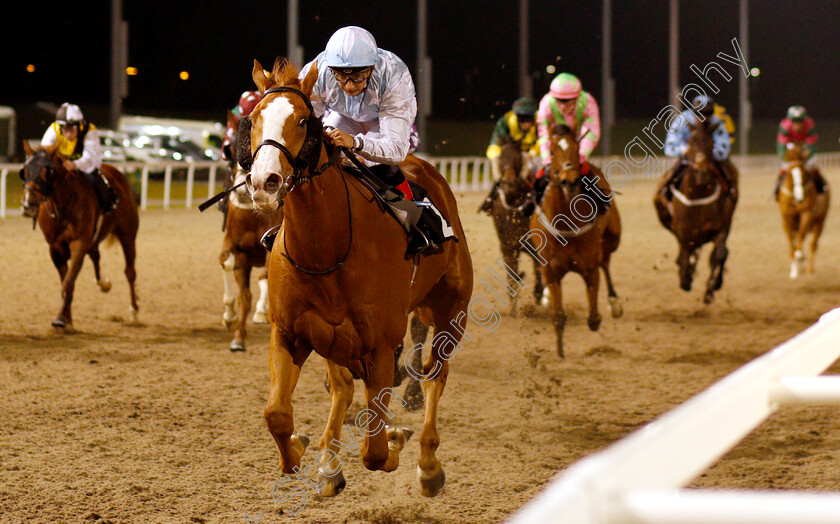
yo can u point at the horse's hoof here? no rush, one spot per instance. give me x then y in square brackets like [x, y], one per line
[260, 318]
[237, 345]
[594, 323]
[708, 297]
[560, 349]
[59, 323]
[104, 285]
[300, 443]
[332, 485]
[132, 315]
[430, 485]
[615, 307]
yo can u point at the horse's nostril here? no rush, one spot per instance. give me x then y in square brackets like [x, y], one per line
[272, 184]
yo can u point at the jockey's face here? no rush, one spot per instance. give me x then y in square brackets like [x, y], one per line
[70, 132]
[567, 105]
[525, 123]
[353, 84]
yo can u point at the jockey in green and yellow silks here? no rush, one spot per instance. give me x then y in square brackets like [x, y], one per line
[517, 125]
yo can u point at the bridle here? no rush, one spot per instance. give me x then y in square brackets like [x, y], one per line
[308, 155]
[45, 186]
[306, 159]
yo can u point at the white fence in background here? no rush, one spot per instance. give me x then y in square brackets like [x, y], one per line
[464, 174]
[639, 478]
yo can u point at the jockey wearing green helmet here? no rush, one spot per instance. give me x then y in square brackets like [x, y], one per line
[516, 125]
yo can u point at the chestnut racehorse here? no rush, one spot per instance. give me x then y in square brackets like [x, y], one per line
[580, 228]
[700, 210]
[67, 209]
[339, 284]
[242, 251]
[511, 210]
[803, 209]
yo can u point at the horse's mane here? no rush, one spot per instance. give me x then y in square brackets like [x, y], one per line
[284, 73]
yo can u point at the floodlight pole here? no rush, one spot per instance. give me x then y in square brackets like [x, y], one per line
[119, 62]
[293, 50]
[424, 77]
[525, 84]
[607, 83]
[673, 53]
[745, 108]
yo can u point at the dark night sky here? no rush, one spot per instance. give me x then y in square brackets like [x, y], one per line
[474, 50]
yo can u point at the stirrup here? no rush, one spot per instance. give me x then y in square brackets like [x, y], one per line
[267, 240]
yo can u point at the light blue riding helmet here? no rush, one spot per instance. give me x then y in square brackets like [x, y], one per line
[351, 46]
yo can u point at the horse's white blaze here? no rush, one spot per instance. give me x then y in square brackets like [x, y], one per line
[564, 144]
[267, 161]
[798, 191]
[261, 314]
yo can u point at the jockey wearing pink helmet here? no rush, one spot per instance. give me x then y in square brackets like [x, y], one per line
[567, 103]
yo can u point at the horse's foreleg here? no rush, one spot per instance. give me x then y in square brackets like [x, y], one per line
[242, 273]
[612, 297]
[538, 284]
[68, 284]
[59, 258]
[511, 258]
[687, 260]
[593, 280]
[229, 316]
[555, 291]
[329, 466]
[130, 254]
[278, 413]
[805, 225]
[261, 313]
[103, 283]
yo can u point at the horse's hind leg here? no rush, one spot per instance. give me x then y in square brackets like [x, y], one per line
[68, 284]
[717, 260]
[341, 394]
[103, 283]
[592, 279]
[261, 313]
[555, 291]
[278, 412]
[130, 254]
[615, 305]
[414, 358]
[511, 258]
[382, 445]
[816, 231]
[538, 283]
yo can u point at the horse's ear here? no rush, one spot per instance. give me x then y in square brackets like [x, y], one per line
[258, 75]
[310, 79]
[27, 148]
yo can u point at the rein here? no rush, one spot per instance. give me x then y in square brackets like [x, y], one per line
[529, 199]
[311, 148]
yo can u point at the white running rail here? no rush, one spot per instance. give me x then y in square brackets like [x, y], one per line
[640, 478]
[464, 173]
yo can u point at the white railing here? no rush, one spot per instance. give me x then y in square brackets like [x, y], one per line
[639, 478]
[464, 174]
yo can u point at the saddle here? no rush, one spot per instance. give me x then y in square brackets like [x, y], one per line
[425, 225]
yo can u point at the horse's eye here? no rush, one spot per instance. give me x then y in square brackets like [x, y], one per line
[302, 122]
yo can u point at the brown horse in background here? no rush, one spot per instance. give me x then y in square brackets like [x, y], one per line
[700, 209]
[339, 284]
[242, 251]
[511, 213]
[803, 209]
[66, 209]
[572, 240]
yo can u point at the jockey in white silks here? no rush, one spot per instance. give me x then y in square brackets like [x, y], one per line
[365, 98]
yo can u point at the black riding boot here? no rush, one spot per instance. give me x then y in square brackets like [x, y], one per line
[673, 180]
[819, 182]
[104, 195]
[487, 205]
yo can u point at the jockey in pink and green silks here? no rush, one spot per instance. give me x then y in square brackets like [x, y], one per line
[567, 103]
